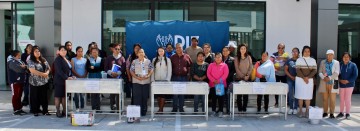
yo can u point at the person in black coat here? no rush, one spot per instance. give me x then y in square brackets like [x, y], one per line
[229, 61]
[62, 73]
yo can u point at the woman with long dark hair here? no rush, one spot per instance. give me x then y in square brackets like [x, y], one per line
[133, 56]
[243, 66]
[162, 72]
[38, 80]
[24, 57]
[62, 73]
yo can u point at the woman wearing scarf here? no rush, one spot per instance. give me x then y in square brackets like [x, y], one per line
[265, 72]
[328, 72]
[306, 69]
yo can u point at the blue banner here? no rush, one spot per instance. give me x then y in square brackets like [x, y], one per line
[153, 34]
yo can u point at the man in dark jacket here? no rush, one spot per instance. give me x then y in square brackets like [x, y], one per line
[115, 68]
[16, 74]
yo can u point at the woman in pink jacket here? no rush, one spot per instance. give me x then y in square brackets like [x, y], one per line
[217, 72]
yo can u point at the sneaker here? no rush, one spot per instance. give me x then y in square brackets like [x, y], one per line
[290, 112]
[213, 114]
[77, 110]
[332, 116]
[325, 115]
[295, 111]
[220, 114]
[340, 115]
[347, 117]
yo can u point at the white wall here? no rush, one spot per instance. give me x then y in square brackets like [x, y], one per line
[81, 22]
[2, 50]
[349, 1]
[287, 21]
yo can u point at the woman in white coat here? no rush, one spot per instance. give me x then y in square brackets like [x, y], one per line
[162, 72]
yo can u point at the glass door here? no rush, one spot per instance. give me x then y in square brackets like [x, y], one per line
[23, 24]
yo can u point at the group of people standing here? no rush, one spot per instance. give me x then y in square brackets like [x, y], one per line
[193, 64]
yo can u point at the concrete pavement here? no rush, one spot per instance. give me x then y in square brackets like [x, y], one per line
[246, 122]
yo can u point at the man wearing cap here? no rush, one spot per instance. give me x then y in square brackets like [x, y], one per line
[328, 72]
[232, 48]
[193, 49]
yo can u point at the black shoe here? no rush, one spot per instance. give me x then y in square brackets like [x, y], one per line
[24, 103]
[266, 111]
[58, 114]
[36, 114]
[347, 116]
[17, 113]
[174, 110]
[244, 109]
[340, 115]
[332, 116]
[143, 113]
[325, 115]
[181, 110]
[46, 113]
[240, 109]
[276, 105]
[22, 112]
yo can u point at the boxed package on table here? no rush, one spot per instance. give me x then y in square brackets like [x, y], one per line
[82, 118]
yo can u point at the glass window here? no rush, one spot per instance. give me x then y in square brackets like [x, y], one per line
[171, 11]
[247, 23]
[115, 15]
[202, 11]
[349, 30]
[24, 17]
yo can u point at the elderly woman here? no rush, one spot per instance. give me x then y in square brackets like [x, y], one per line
[141, 70]
[328, 73]
[306, 69]
[347, 78]
[62, 73]
[265, 72]
[217, 73]
[38, 81]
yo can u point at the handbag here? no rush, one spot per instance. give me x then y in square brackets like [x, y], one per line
[220, 89]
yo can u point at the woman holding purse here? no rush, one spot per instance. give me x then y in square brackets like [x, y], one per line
[217, 73]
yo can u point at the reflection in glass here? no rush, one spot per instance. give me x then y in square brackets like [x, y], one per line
[247, 23]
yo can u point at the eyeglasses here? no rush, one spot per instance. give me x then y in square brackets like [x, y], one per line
[117, 49]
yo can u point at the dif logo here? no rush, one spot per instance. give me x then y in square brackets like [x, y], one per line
[161, 41]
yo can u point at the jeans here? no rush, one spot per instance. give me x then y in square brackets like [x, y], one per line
[76, 99]
[293, 102]
[26, 89]
[178, 100]
[216, 99]
[197, 100]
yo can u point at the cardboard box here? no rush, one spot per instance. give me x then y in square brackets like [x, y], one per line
[83, 118]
